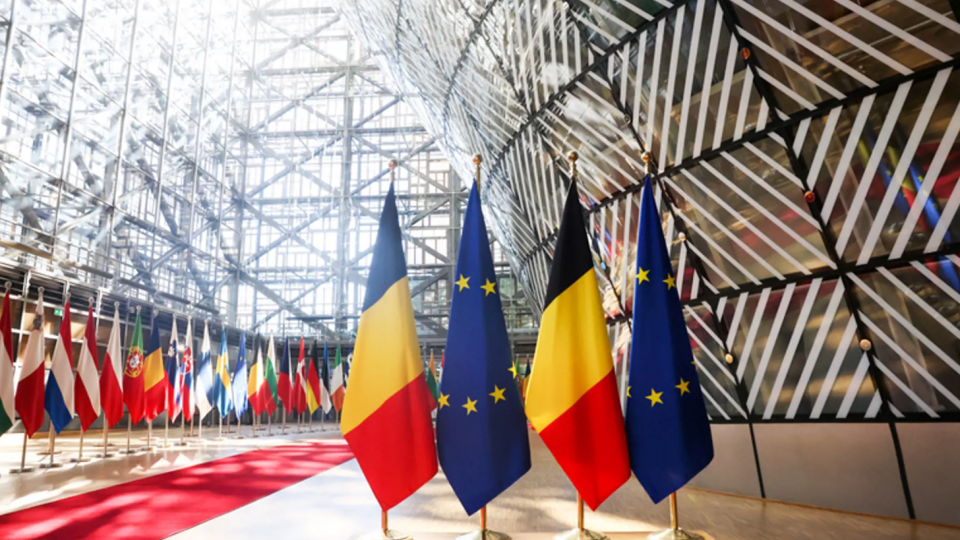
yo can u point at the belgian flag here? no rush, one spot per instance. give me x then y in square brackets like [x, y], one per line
[572, 397]
[386, 415]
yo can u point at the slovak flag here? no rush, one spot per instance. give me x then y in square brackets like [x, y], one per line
[203, 389]
[58, 399]
[111, 394]
[86, 388]
[186, 375]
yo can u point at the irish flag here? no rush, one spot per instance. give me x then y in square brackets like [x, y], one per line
[389, 400]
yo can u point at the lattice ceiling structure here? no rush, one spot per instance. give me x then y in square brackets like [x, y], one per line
[255, 137]
[806, 163]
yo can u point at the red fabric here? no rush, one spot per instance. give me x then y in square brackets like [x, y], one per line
[133, 390]
[81, 398]
[269, 406]
[590, 443]
[155, 399]
[111, 396]
[160, 506]
[314, 381]
[29, 401]
[395, 471]
[283, 390]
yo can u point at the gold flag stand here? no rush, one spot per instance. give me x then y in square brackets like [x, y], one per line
[483, 533]
[384, 533]
[580, 533]
[674, 532]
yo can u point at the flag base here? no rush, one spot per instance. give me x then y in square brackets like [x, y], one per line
[54, 465]
[383, 535]
[220, 439]
[24, 470]
[674, 534]
[47, 453]
[484, 535]
[581, 534]
[79, 460]
[106, 455]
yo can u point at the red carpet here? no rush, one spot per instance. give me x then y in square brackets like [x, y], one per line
[159, 506]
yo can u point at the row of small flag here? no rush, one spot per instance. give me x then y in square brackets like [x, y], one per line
[153, 383]
[572, 399]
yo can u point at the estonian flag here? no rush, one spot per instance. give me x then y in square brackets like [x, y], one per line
[481, 428]
[667, 427]
[389, 401]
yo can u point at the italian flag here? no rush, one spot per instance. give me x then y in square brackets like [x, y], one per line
[7, 404]
[337, 390]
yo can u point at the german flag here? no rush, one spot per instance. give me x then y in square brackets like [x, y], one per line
[154, 376]
[386, 414]
[572, 398]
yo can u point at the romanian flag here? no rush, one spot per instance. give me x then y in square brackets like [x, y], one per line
[133, 374]
[389, 399]
[572, 398]
[154, 376]
[222, 395]
[313, 382]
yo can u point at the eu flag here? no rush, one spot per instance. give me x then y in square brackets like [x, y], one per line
[481, 428]
[668, 433]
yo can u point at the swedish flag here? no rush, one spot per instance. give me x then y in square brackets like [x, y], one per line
[481, 428]
[668, 433]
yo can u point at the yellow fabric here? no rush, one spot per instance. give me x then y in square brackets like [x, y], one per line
[573, 352]
[153, 373]
[312, 401]
[254, 380]
[386, 357]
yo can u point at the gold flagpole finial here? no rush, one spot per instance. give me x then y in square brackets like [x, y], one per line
[573, 156]
[477, 160]
[6, 286]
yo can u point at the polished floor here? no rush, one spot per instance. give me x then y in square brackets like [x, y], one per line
[337, 504]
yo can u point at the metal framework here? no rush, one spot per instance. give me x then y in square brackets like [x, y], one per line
[253, 137]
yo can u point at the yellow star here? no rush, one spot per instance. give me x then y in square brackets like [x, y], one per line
[444, 400]
[462, 282]
[513, 369]
[642, 275]
[497, 394]
[654, 397]
[683, 386]
[671, 283]
[471, 405]
[489, 288]
[628, 391]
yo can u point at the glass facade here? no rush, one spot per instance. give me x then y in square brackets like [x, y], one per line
[804, 154]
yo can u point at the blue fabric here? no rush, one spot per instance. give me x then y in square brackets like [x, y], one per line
[172, 368]
[239, 382]
[484, 452]
[221, 394]
[55, 405]
[668, 432]
[388, 265]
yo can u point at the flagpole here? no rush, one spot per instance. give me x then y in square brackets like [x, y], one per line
[23, 457]
[51, 449]
[283, 426]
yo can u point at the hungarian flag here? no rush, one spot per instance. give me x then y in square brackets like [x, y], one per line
[285, 378]
[389, 399]
[155, 381]
[572, 400]
[111, 396]
[255, 381]
[29, 399]
[58, 400]
[270, 378]
[133, 374]
[432, 384]
[185, 383]
[337, 390]
[86, 388]
[7, 403]
[172, 369]
[313, 382]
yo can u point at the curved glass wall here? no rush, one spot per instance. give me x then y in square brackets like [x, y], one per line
[804, 155]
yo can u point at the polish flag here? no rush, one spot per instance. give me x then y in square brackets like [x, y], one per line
[86, 389]
[111, 394]
[29, 399]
